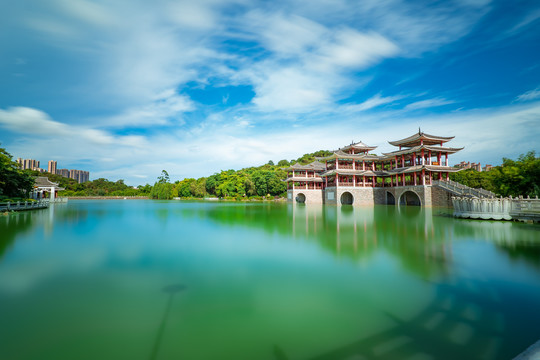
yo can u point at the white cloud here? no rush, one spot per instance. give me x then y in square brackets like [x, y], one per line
[352, 49]
[529, 95]
[428, 103]
[166, 107]
[308, 63]
[34, 123]
[373, 102]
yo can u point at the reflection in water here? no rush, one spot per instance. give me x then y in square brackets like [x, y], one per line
[171, 290]
[279, 354]
[456, 314]
[11, 225]
[290, 281]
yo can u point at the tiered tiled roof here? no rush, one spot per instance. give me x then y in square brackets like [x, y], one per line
[427, 139]
[359, 146]
[417, 149]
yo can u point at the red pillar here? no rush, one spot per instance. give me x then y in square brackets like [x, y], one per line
[423, 176]
[414, 176]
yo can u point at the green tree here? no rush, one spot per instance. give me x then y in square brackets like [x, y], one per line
[164, 178]
[519, 177]
[14, 182]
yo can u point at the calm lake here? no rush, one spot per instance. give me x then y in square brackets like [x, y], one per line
[142, 279]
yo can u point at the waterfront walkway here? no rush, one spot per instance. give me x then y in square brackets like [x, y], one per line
[520, 209]
[30, 205]
[24, 205]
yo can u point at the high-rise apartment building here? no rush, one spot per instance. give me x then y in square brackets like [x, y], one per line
[28, 164]
[79, 175]
[63, 172]
[52, 167]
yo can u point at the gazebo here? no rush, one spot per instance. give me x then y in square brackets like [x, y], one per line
[44, 188]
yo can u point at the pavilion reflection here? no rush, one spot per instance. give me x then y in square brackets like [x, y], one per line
[16, 224]
[420, 237]
[408, 233]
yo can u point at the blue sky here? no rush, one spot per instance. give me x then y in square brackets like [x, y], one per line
[125, 89]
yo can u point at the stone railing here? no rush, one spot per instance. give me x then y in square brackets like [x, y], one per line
[497, 208]
[463, 190]
[24, 205]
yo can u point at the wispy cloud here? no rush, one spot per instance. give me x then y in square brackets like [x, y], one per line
[428, 103]
[374, 102]
[529, 95]
[37, 124]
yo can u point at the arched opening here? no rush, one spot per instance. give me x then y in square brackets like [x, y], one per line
[301, 198]
[409, 198]
[390, 198]
[347, 198]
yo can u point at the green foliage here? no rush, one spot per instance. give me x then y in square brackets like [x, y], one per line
[518, 177]
[14, 182]
[513, 178]
[164, 178]
[475, 179]
[283, 163]
[309, 158]
[161, 191]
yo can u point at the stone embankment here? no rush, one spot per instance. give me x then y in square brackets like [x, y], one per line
[520, 209]
[108, 197]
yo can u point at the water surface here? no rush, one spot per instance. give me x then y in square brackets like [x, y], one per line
[206, 280]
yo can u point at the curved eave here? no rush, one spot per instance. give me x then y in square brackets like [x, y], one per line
[344, 156]
[424, 147]
[361, 148]
[414, 139]
[432, 168]
[304, 179]
[347, 172]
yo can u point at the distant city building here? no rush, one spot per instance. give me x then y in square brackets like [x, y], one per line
[29, 164]
[475, 166]
[63, 172]
[79, 175]
[52, 167]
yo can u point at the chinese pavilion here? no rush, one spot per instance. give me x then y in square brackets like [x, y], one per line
[351, 175]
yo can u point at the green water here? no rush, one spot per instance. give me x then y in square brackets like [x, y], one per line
[135, 279]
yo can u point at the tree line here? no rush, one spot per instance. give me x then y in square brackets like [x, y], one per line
[519, 177]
